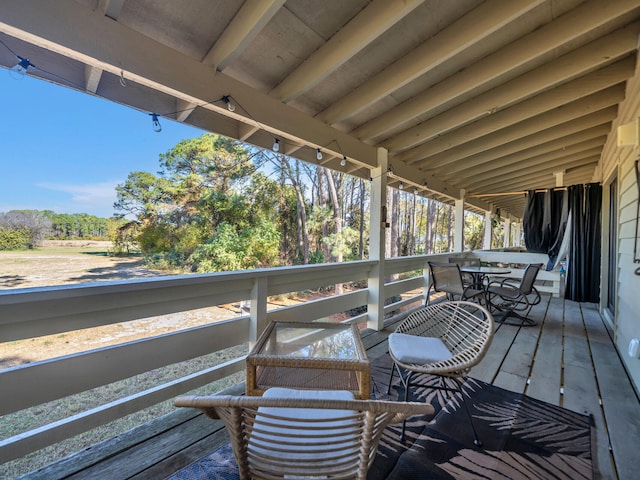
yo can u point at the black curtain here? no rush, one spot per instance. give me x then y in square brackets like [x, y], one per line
[583, 273]
[532, 222]
[544, 222]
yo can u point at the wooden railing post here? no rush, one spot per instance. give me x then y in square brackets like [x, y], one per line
[258, 309]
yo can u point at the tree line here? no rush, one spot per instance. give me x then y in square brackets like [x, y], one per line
[217, 205]
[25, 229]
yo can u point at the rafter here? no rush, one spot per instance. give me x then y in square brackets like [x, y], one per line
[92, 76]
[471, 28]
[533, 108]
[565, 130]
[370, 23]
[111, 8]
[536, 171]
[527, 128]
[568, 27]
[590, 147]
[184, 109]
[478, 164]
[106, 44]
[570, 66]
[246, 24]
[579, 175]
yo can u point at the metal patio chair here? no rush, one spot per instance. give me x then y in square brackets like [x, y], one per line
[515, 300]
[447, 278]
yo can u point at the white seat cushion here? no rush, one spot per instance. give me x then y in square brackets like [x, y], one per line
[294, 427]
[418, 350]
[278, 392]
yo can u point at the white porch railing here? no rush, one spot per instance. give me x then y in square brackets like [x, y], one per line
[29, 313]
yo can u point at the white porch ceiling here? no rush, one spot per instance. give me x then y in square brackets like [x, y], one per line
[489, 97]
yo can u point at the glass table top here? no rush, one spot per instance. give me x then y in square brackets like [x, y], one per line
[311, 340]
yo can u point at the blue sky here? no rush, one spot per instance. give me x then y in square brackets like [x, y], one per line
[66, 151]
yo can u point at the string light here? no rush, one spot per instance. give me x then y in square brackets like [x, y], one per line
[230, 105]
[156, 123]
[415, 190]
[401, 186]
[19, 71]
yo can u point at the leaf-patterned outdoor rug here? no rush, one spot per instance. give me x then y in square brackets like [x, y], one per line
[523, 438]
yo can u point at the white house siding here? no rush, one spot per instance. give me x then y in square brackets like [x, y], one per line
[618, 161]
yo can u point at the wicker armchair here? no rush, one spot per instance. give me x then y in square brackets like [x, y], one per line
[444, 339]
[302, 433]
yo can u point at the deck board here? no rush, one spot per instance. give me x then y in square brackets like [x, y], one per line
[569, 347]
[581, 389]
[621, 408]
[546, 374]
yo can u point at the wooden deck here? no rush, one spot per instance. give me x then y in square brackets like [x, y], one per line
[567, 359]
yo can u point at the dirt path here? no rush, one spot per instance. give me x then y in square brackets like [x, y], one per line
[62, 263]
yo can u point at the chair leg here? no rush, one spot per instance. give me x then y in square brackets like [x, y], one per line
[476, 440]
[393, 369]
[406, 382]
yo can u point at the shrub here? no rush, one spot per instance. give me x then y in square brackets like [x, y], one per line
[15, 239]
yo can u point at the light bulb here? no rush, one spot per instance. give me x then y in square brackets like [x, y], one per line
[319, 154]
[276, 145]
[230, 106]
[123, 82]
[156, 123]
[415, 190]
[343, 162]
[19, 71]
[401, 186]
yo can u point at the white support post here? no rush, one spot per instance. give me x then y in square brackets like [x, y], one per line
[378, 224]
[458, 228]
[258, 309]
[517, 234]
[507, 232]
[488, 230]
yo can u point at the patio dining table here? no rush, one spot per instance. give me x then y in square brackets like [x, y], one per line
[480, 273]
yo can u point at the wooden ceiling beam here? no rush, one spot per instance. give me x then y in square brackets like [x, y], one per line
[534, 172]
[579, 21]
[528, 128]
[103, 43]
[478, 164]
[579, 150]
[499, 117]
[111, 8]
[92, 76]
[465, 32]
[246, 24]
[579, 175]
[364, 28]
[597, 119]
[557, 76]
[184, 109]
